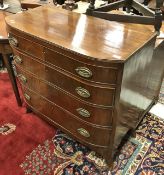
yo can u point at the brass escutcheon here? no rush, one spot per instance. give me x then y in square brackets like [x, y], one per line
[13, 41]
[83, 92]
[83, 132]
[83, 112]
[27, 97]
[22, 78]
[17, 59]
[84, 72]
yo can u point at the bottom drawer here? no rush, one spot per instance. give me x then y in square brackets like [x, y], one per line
[95, 136]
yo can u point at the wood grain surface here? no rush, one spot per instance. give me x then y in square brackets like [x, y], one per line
[81, 34]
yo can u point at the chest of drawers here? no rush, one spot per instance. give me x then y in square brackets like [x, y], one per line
[89, 77]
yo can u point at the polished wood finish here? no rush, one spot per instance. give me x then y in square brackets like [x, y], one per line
[79, 35]
[69, 64]
[68, 121]
[5, 49]
[99, 95]
[63, 99]
[57, 53]
[139, 89]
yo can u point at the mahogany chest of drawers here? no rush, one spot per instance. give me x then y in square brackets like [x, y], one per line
[94, 79]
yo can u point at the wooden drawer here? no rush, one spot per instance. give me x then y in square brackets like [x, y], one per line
[82, 70]
[86, 112]
[90, 93]
[26, 46]
[104, 75]
[85, 132]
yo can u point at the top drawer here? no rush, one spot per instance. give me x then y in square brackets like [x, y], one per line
[26, 46]
[89, 72]
[104, 75]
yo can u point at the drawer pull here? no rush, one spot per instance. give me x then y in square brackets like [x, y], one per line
[17, 59]
[22, 78]
[83, 112]
[82, 92]
[83, 132]
[84, 72]
[13, 41]
[27, 97]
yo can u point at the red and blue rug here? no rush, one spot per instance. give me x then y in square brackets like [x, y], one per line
[29, 146]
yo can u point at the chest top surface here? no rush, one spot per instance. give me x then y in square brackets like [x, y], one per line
[86, 35]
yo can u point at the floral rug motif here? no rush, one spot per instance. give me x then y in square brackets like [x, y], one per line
[7, 128]
[62, 155]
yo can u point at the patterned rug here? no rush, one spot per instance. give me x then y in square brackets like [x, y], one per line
[20, 132]
[62, 155]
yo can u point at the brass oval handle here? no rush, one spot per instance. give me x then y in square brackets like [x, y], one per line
[17, 59]
[27, 97]
[84, 72]
[82, 92]
[83, 112]
[83, 132]
[22, 78]
[13, 41]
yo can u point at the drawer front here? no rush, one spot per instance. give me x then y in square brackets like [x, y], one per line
[26, 46]
[65, 121]
[77, 68]
[85, 91]
[81, 110]
[88, 72]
